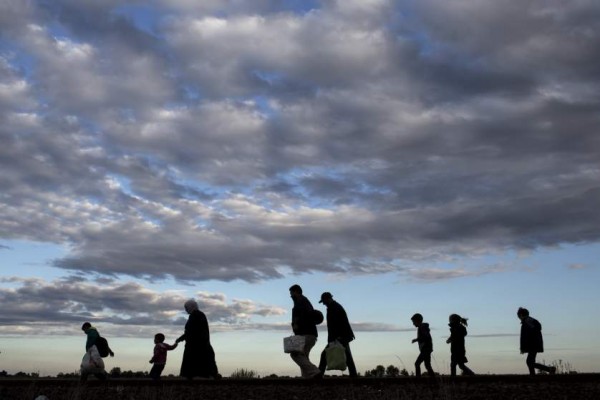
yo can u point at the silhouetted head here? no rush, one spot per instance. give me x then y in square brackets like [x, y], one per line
[86, 326]
[522, 313]
[417, 319]
[295, 291]
[326, 298]
[190, 306]
[159, 338]
[457, 319]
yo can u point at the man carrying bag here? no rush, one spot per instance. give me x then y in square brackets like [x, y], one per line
[303, 324]
[338, 329]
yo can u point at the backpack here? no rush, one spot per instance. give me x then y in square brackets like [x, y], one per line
[102, 346]
[317, 317]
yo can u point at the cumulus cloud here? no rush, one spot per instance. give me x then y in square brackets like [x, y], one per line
[438, 274]
[128, 309]
[64, 304]
[233, 141]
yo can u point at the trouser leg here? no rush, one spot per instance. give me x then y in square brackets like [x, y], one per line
[543, 367]
[350, 361]
[533, 365]
[466, 370]
[452, 368]
[323, 361]
[418, 365]
[530, 361]
[156, 371]
[427, 362]
[307, 368]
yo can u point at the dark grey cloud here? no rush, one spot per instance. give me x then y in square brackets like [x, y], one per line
[129, 309]
[65, 304]
[229, 141]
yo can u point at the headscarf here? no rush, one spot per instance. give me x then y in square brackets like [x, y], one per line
[190, 305]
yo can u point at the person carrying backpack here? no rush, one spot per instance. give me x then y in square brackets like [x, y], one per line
[92, 362]
[303, 324]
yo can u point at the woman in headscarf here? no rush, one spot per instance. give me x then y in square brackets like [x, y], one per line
[198, 356]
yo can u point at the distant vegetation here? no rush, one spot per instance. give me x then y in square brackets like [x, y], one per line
[563, 367]
[390, 372]
[243, 373]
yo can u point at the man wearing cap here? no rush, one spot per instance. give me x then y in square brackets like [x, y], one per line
[338, 328]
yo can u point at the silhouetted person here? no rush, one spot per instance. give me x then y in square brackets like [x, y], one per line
[425, 345]
[159, 358]
[92, 336]
[532, 342]
[458, 352]
[92, 362]
[303, 324]
[338, 328]
[198, 356]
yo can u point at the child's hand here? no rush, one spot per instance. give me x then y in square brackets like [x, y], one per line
[449, 340]
[150, 361]
[414, 340]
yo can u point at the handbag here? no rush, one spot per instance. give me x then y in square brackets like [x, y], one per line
[294, 344]
[335, 354]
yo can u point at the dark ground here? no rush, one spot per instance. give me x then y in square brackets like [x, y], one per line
[500, 387]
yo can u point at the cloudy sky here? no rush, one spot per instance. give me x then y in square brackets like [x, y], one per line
[424, 156]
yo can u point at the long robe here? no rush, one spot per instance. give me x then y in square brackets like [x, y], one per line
[198, 356]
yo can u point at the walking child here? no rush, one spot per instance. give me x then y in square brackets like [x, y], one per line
[458, 352]
[532, 342]
[425, 345]
[159, 359]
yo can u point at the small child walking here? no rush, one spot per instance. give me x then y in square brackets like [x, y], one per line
[159, 359]
[458, 352]
[532, 341]
[425, 345]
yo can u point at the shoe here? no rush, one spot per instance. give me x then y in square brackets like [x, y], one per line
[552, 370]
[318, 376]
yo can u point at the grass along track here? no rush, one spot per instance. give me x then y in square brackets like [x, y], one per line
[492, 387]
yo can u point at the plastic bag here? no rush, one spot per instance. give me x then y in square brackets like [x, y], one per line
[92, 363]
[335, 353]
[294, 344]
